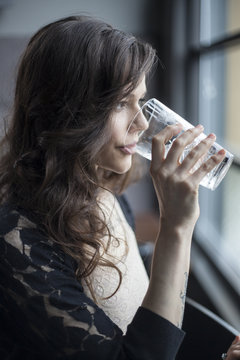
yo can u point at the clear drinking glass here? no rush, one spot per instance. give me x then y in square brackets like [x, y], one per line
[158, 117]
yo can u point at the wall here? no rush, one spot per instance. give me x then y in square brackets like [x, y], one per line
[23, 17]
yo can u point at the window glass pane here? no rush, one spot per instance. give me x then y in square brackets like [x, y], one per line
[232, 98]
[233, 13]
[218, 225]
[212, 93]
[218, 19]
[211, 26]
[231, 216]
[231, 194]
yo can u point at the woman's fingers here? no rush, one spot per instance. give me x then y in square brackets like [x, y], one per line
[170, 168]
[236, 340]
[159, 141]
[207, 166]
[197, 153]
[234, 350]
[181, 142]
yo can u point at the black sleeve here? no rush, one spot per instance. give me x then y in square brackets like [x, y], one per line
[46, 315]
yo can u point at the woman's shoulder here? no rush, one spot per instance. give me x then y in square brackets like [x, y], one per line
[11, 217]
[23, 243]
[17, 225]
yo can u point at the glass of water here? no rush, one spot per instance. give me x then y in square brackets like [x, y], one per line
[158, 117]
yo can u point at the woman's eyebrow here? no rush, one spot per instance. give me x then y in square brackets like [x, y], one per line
[134, 96]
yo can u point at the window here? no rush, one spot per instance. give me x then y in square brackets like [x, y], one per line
[215, 56]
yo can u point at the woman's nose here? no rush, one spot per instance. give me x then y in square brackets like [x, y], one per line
[140, 122]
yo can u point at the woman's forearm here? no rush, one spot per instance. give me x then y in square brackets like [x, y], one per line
[169, 274]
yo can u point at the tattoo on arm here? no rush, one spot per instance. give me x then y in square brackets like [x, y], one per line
[183, 298]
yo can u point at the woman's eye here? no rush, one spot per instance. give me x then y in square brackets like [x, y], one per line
[141, 101]
[121, 105]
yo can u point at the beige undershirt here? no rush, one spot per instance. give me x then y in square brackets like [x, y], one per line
[122, 306]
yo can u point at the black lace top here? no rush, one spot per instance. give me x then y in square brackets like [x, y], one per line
[44, 313]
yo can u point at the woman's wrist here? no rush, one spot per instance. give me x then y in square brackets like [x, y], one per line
[175, 233]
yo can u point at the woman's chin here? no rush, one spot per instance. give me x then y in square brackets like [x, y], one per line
[120, 167]
[124, 168]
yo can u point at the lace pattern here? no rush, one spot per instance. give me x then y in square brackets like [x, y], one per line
[37, 281]
[126, 255]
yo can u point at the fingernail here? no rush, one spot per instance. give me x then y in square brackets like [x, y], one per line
[222, 152]
[212, 136]
[178, 125]
[199, 126]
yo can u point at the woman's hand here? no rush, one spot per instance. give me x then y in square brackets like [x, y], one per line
[176, 186]
[234, 350]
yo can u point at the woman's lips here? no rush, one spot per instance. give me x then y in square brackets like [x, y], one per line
[129, 149]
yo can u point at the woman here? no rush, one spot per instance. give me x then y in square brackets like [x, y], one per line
[72, 282]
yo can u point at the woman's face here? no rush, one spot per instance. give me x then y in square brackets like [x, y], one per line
[116, 155]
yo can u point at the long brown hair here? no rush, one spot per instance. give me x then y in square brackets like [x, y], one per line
[71, 76]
